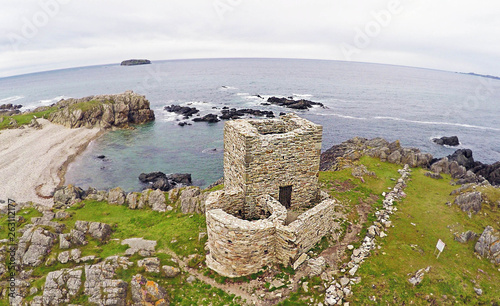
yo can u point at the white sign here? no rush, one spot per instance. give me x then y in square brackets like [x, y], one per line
[440, 245]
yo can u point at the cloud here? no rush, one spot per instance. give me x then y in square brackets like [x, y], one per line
[452, 35]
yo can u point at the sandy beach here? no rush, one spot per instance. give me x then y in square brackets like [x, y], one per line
[33, 161]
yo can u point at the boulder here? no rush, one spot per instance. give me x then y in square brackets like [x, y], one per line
[447, 141]
[433, 175]
[488, 245]
[466, 237]
[100, 286]
[394, 158]
[132, 200]
[157, 201]
[100, 231]
[116, 196]
[169, 271]
[469, 201]
[317, 265]
[146, 292]
[151, 264]
[192, 201]
[67, 196]
[489, 172]
[34, 245]
[61, 286]
[463, 157]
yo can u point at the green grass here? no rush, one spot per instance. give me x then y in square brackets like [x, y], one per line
[215, 188]
[85, 106]
[172, 230]
[23, 119]
[27, 214]
[457, 271]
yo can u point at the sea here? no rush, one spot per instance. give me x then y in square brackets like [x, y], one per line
[409, 104]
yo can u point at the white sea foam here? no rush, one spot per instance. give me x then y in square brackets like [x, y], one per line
[52, 101]
[342, 116]
[302, 96]
[10, 99]
[437, 123]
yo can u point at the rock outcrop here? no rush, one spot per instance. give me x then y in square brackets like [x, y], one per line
[34, 246]
[488, 245]
[67, 196]
[103, 111]
[61, 286]
[100, 285]
[469, 202]
[356, 147]
[447, 141]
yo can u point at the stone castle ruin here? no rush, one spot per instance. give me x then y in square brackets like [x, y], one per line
[271, 167]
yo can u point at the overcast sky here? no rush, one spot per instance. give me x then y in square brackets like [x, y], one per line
[458, 35]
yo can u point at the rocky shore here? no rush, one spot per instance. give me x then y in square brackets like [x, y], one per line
[34, 157]
[460, 164]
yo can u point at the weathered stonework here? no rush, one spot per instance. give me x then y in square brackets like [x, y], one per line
[245, 222]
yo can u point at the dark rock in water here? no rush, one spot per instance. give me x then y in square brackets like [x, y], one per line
[295, 104]
[282, 113]
[233, 113]
[225, 107]
[184, 123]
[165, 182]
[101, 156]
[133, 62]
[151, 177]
[210, 118]
[186, 111]
[181, 178]
[463, 157]
[265, 104]
[10, 106]
[162, 184]
[448, 141]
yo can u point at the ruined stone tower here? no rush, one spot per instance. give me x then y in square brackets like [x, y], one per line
[278, 157]
[270, 166]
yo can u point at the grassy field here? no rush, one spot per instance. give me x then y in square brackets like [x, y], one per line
[23, 119]
[422, 218]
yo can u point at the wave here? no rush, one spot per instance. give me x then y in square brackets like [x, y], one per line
[343, 116]
[52, 101]
[10, 99]
[437, 123]
[301, 96]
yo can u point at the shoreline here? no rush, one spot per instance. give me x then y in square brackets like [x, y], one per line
[33, 162]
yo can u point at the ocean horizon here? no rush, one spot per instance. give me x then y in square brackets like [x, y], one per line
[368, 100]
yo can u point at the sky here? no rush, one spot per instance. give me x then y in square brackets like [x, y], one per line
[458, 35]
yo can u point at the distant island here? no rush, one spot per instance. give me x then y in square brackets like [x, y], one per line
[133, 62]
[482, 75]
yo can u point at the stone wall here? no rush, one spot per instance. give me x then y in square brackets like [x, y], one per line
[302, 234]
[241, 247]
[262, 155]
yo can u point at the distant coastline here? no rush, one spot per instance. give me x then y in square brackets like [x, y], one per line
[482, 75]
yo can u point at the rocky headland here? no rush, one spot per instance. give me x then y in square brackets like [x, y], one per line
[103, 111]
